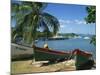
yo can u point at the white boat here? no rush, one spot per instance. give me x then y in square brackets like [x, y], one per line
[77, 37]
[86, 38]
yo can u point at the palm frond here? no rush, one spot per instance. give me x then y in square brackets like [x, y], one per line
[29, 17]
[52, 22]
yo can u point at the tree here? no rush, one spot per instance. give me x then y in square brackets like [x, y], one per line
[91, 18]
[93, 40]
[30, 17]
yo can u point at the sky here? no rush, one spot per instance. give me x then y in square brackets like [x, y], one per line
[71, 18]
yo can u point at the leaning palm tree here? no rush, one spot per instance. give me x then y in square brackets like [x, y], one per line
[30, 18]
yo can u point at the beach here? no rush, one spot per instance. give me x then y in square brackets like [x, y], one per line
[52, 41]
[20, 67]
[22, 59]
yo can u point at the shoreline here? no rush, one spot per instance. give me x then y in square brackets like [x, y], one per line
[25, 67]
[19, 67]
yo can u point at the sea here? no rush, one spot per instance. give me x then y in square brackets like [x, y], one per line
[82, 43]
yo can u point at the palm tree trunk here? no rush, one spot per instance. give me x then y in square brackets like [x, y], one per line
[33, 60]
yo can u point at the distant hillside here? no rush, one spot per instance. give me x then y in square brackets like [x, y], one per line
[68, 35]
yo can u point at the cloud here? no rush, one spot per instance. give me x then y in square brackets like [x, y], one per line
[71, 22]
[79, 21]
[64, 21]
[62, 26]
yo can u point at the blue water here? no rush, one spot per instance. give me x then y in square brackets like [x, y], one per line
[70, 44]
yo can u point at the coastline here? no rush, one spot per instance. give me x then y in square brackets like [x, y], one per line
[25, 67]
[20, 67]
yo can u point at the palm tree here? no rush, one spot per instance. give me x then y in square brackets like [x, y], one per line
[29, 18]
[91, 18]
[93, 40]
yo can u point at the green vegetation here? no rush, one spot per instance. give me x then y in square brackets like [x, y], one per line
[91, 18]
[44, 34]
[30, 17]
[39, 34]
[68, 35]
[93, 40]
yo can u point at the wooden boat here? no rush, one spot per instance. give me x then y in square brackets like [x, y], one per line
[42, 54]
[83, 60]
[20, 52]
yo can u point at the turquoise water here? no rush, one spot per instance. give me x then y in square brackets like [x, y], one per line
[70, 45]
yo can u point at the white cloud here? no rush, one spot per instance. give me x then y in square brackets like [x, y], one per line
[79, 21]
[62, 26]
[76, 21]
[64, 21]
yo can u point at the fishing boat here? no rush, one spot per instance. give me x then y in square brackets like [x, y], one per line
[83, 60]
[20, 52]
[42, 54]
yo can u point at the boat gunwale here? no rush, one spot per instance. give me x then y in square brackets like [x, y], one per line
[74, 52]
[51, 51]
[83, 53]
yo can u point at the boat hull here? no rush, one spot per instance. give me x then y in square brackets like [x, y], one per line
[83, 59]
[42, 54]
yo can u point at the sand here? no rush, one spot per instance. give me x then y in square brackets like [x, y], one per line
[20, 67]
